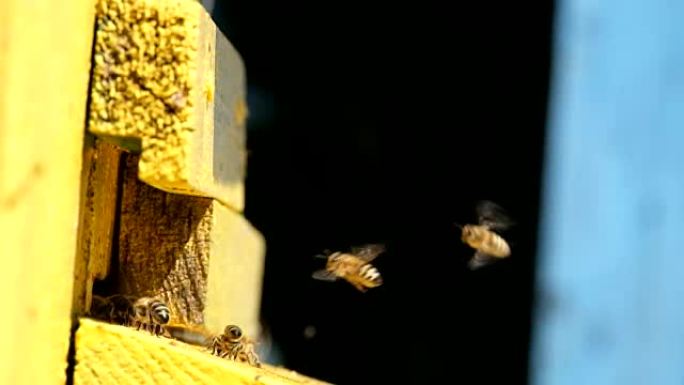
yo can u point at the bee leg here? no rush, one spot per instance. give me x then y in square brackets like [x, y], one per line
[254, 360]
[218, 351]
[215, 349]
[360, 287]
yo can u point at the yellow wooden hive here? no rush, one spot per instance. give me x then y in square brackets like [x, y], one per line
[111, 354]
[143, 198]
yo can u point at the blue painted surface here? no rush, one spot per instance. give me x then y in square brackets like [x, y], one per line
[611, 263]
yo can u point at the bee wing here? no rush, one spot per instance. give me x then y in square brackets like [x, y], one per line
[368, 252]
[191, 335]
[479, 260]
[263, 344]
[323, 275]
[493, 216]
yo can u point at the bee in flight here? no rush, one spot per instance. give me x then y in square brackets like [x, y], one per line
[234, 345]
[354, 267]
[146, 312]
[482, 237]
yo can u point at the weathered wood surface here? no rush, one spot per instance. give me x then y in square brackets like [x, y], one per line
[99, 189]
[199, 256]
[45, 50]
[111, 354]
[168, 84]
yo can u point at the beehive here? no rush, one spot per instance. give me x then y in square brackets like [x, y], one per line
[160, 169]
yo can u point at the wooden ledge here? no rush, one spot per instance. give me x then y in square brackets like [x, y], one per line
[112, 354]
[166, 83]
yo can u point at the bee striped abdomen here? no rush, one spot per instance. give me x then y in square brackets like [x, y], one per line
[496, 246]
[160, 312]
[371, 274]
[150, 314]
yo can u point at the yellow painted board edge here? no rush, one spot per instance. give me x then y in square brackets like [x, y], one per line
[113, 354]
[157, 90]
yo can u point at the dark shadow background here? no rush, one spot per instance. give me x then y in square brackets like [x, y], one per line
[374, 122]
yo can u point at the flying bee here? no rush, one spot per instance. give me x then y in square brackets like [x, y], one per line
[482, 237]
[234, 345]
[150, 314]
[354, 267]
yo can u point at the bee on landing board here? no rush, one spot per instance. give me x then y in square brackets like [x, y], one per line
[354, 267]
[146, 312]
[150, 314]
[234, 345]
[489, 245]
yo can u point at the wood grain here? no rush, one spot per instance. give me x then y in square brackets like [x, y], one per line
[188, 251]
[99, 188]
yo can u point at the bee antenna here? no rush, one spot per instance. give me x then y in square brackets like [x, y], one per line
[459, 226]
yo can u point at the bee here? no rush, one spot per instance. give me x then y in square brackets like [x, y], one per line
[354, 267]
[234, 345]
[114, 309]
[482, 237]
[150, 314]
[146, 312]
